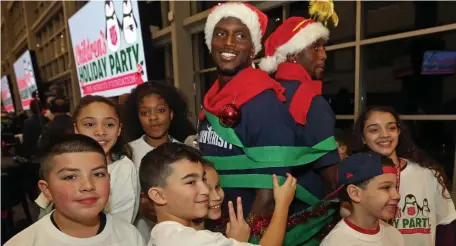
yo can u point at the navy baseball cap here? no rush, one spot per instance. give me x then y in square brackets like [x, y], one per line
[361, 167]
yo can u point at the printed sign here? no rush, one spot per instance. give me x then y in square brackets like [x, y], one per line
[108, 47]
[7, 100]
[25, 78]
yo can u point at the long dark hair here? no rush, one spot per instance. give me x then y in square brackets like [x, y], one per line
[180, 127]
[406, 147]
[120, 147]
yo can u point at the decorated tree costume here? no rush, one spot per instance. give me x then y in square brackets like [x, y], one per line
[248, 132]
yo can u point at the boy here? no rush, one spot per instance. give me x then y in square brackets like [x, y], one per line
[76, 179]
[180, 195]
[342, 143]
[369, 184]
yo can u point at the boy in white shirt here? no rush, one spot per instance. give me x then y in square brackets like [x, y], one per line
[368, 182]
[173, 177]
[76, 179]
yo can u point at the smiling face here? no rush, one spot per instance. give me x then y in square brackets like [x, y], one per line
[381, 133]
[186, 193]
[78, 184]
[380, 197]
[232, 47]
[155, 116]
[99, 121]
[216, 194]
[313, 59]
[342, 150]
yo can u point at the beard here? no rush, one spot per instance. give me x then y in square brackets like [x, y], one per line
[233, 71]
[228, 72]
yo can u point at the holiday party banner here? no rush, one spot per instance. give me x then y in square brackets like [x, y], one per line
[108, 47]
[25, 78]
[6, 95]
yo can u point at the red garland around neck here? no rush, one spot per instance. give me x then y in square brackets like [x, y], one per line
[246, 85]
[302, 99]
[294, 71]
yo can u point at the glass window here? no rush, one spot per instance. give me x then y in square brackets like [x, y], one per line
[151, 13]
[346, 125]
[207, 80]
[339, 80]
[156, 67]
[404, 16]
[169, 59]
[346, 10]
[206, 60]
[205, 5]
[393, 74]
[436, 139]
[274, 20]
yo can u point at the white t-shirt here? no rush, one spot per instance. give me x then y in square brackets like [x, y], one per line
[140, 148]
[125, 190]
[170, 233]
[344, 234]
[44, 233]
[422, 206]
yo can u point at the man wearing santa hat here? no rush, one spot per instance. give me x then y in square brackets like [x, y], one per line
[295, 54]
[245, 127]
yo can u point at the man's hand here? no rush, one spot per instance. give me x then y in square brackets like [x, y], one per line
[237, 228]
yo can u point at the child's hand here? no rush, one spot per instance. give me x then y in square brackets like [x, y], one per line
[284, 194]
[237, 228]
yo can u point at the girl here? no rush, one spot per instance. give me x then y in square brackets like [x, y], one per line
[212, 220]
[216, 196]
[155, 113]
[426, 206]
[98, 118]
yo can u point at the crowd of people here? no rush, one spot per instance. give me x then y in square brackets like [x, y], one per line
[264, 166]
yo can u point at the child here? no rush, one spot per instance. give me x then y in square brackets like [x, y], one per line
[76, 179]
[155, 114]
[342, 139]
[369, 182]
[216, 195]
[180, 194]
[98, 118]
[426, 205]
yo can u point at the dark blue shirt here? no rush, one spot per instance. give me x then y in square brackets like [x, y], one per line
[319, 126]
[265, 122]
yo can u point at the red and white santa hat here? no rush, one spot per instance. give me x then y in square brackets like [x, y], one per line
[252, 17]
[294, 35]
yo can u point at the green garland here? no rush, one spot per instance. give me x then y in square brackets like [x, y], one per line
[269, 157]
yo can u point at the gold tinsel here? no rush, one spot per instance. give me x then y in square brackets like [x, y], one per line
[323, 10]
